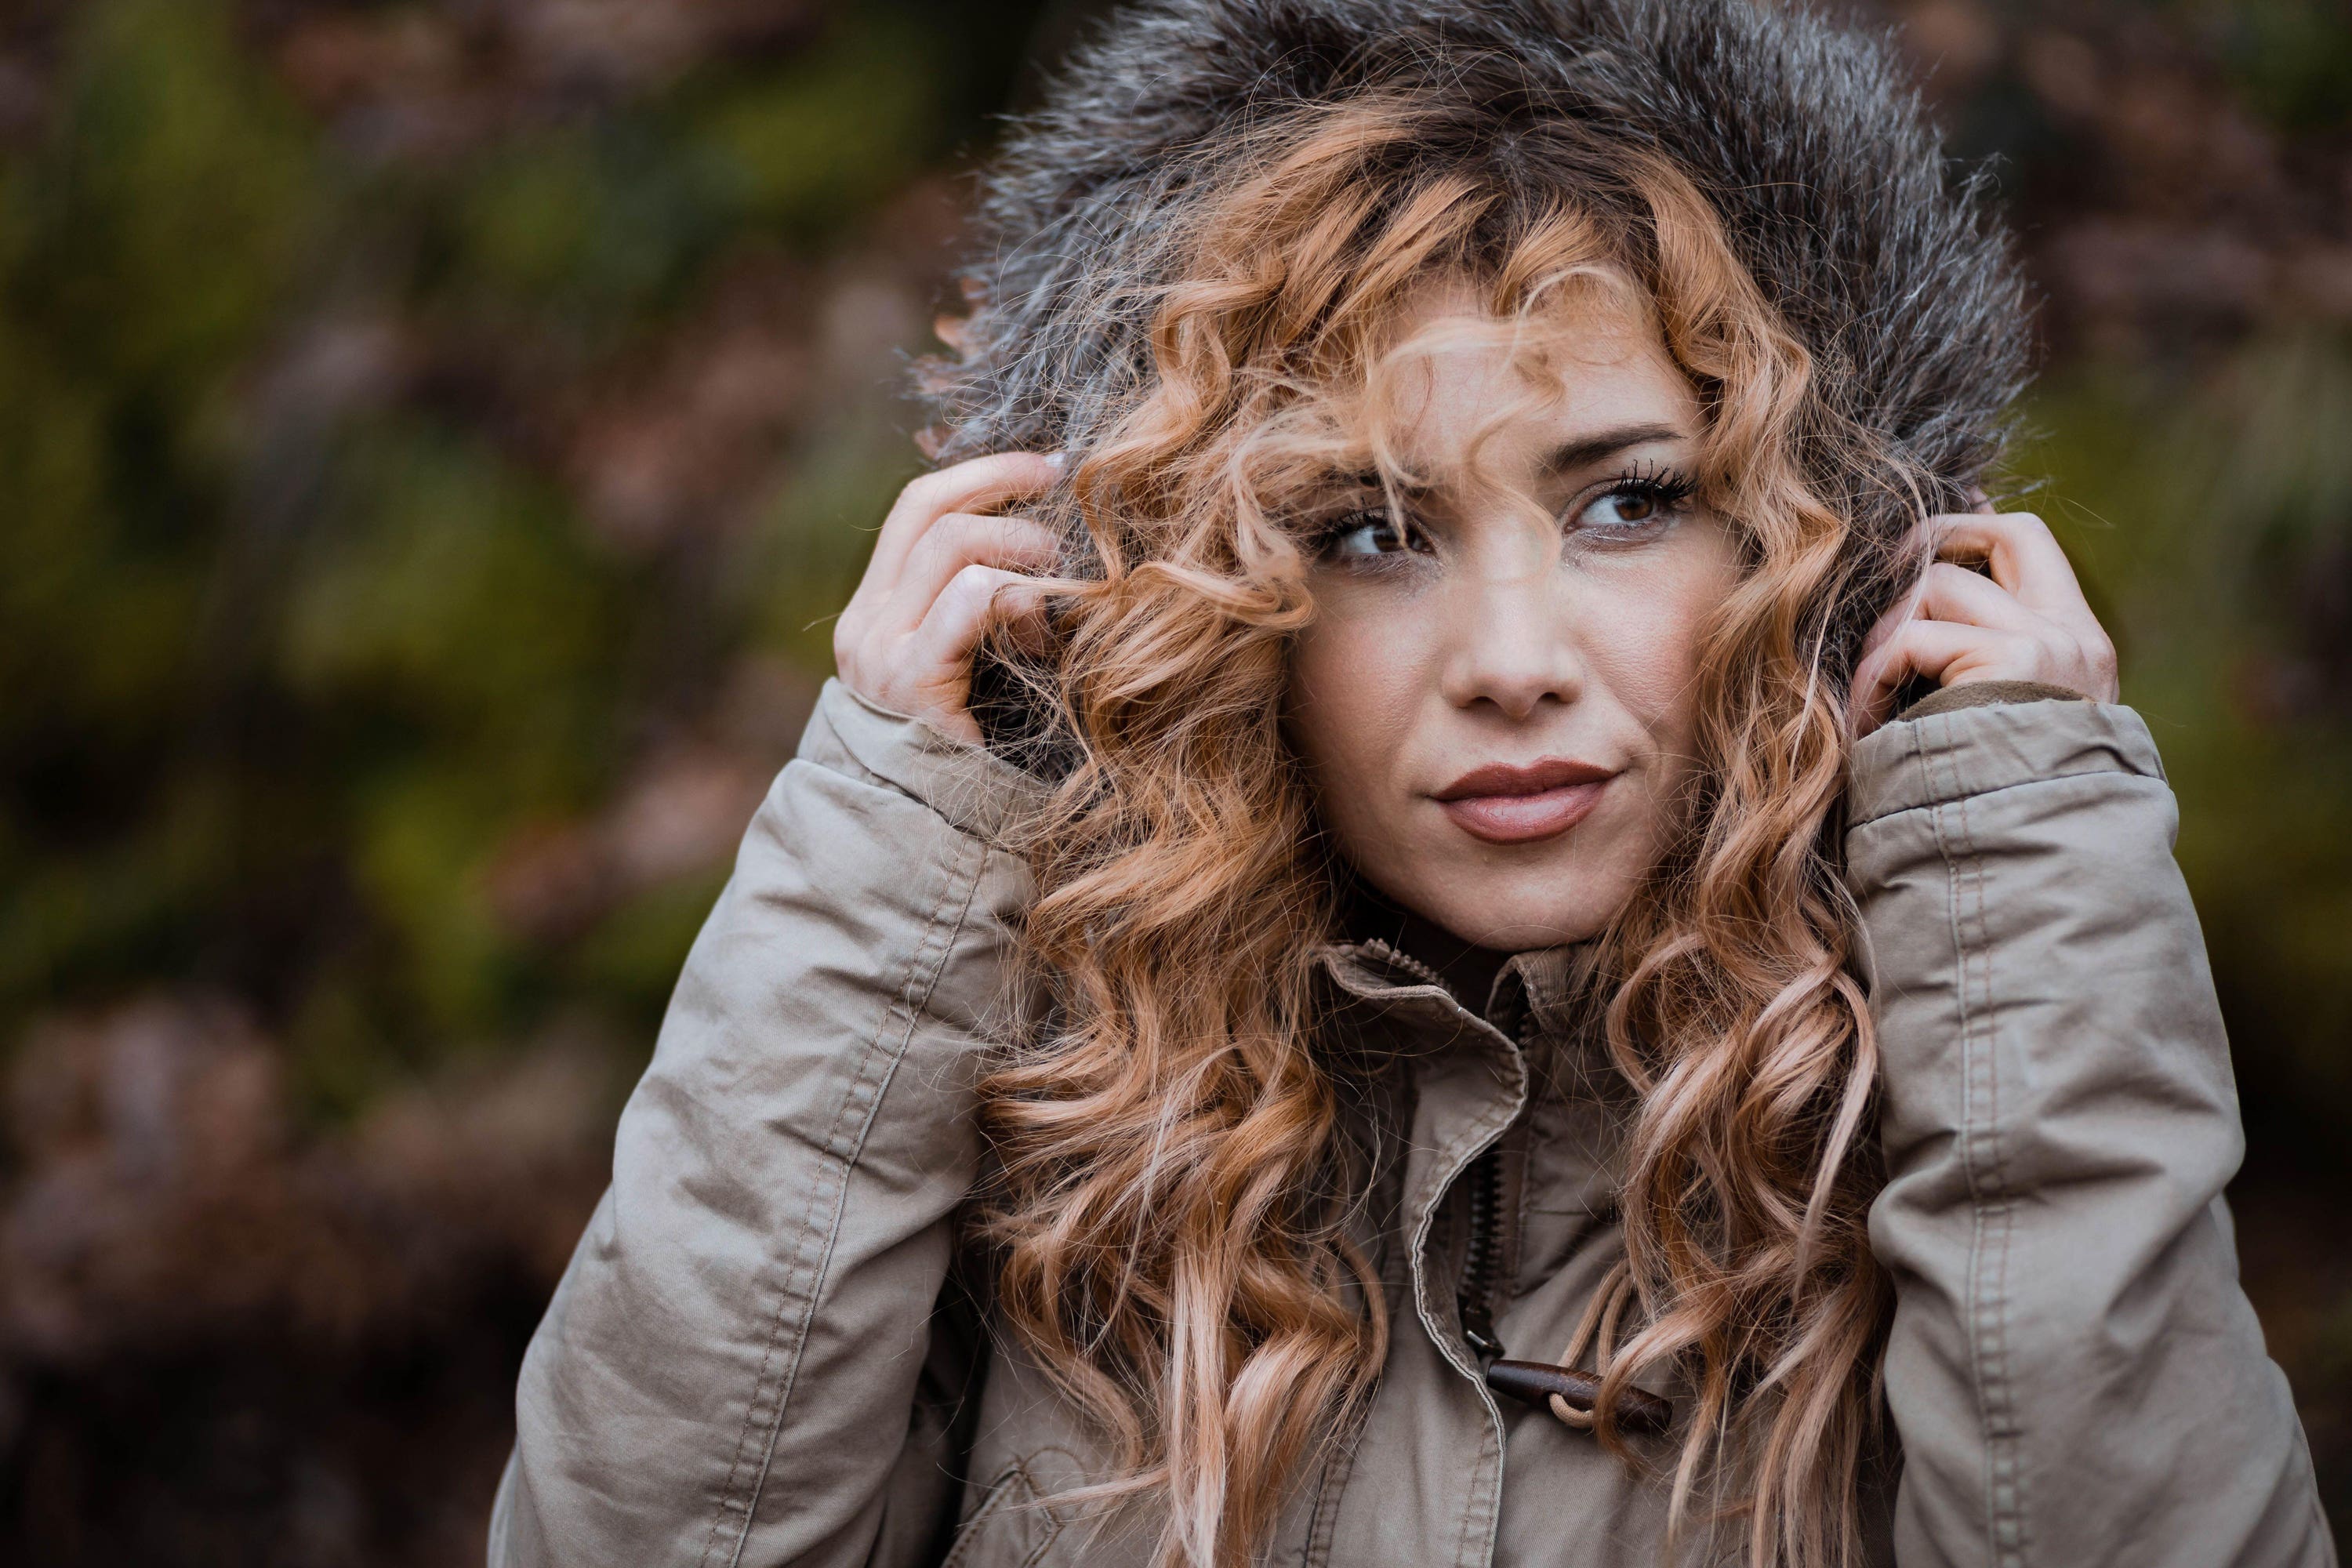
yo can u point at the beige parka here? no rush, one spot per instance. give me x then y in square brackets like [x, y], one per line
[759, 1357]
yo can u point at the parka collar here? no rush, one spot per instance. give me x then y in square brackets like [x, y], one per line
[1548, 992]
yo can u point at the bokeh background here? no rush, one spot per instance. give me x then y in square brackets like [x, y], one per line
[432, 435]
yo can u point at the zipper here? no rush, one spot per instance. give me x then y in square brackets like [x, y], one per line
[1476, 1295]
[1410, 965]
[1478, 1282]
[1474, 1292]
[1543, 1385]
[1535, 1383]
[1482, 1264]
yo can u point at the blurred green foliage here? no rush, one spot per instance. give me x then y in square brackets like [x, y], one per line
[295, 645]
[2204, 486]
[2218, 523]
[2291, 58]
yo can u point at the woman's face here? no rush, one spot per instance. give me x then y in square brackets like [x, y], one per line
[1495, 701]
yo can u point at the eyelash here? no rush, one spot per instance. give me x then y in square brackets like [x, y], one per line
[1667, 488]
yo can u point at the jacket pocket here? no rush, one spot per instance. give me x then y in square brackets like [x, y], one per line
[1007, 1528]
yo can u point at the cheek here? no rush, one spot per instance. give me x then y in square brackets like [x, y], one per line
[1651, 662]
[1357, 680]
[1341, 697]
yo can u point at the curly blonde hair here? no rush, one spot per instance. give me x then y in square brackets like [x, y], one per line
[1171, 1182]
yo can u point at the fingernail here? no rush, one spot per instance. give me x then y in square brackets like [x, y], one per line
[1058, 459]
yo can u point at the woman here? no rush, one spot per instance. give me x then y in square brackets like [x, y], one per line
[1351, 972]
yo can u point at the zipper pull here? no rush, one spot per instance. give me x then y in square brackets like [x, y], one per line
[1478, 1329]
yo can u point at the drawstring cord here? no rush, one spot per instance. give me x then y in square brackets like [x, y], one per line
[1597, 1327]
[1571, 1394]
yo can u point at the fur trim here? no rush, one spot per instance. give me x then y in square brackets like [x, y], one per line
[1805, 135]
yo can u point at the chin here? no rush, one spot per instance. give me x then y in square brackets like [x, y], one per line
[1518, 928]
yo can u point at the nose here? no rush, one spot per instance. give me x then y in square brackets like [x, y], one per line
[1513, 644]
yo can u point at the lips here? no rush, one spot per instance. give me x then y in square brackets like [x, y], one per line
[1505, 802]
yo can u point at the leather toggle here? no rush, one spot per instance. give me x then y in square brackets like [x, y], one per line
[1538, 1382]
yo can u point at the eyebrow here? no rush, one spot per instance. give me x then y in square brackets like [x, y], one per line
[1603, 444]
[1572, 455]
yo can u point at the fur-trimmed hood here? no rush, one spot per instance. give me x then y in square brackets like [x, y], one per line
[1806, 135]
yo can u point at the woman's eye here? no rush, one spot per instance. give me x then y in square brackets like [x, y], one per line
[1630, 509]
[1368, 533]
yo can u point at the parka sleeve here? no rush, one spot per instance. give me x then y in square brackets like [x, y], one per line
[2074, 1374]
[740, 1365]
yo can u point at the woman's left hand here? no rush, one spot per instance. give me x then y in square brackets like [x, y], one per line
[2027, 621]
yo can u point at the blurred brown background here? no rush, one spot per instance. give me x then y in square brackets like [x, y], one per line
[433, 434]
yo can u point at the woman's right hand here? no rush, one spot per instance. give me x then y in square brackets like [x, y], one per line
[944, 568]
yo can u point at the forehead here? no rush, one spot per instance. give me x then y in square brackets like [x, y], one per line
[1457, 383]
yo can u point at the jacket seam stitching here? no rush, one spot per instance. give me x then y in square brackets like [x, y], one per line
[1455, 1158]
[1936, 802]
[1331, 1487]
[1984, 1165]
[992, 1504]
[804, 1281]
[1480, 1512]
[914, 998]
[1045, 1543]
[1057, 1518]
[1452, 1159]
